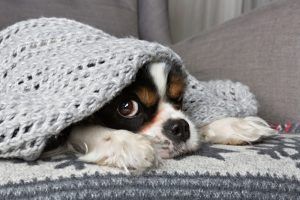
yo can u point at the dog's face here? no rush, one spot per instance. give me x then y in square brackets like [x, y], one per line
[151, 105]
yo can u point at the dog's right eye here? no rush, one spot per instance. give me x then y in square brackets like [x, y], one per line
[128, 108]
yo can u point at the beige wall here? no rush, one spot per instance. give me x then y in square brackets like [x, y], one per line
[190, 17]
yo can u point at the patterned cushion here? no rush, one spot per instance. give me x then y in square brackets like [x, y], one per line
[268, 170]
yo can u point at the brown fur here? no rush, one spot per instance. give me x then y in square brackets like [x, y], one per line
[176, 86]
[147, 96]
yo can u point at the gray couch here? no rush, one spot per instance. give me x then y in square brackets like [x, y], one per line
[260, 49]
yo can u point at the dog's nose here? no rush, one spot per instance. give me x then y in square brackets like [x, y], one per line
[177, 130]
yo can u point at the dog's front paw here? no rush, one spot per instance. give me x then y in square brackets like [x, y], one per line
[237, 131]
[121, 149]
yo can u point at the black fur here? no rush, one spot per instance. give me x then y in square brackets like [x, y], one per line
[109, 116]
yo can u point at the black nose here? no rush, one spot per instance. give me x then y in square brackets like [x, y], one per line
[177, 130]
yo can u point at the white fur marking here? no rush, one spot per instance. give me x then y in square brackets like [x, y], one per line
[157, 71]
[167, 111]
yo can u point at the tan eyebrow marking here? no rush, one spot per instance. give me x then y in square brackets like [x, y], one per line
[147, 96]
[176, 86]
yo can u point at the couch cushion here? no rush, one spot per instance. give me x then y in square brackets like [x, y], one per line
[261, 49]
[117, 17]
[269, 170]
[153, 21]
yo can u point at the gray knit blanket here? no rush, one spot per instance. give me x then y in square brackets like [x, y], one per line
[55, 72]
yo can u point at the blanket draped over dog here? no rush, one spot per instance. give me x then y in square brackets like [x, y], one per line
[55, 72]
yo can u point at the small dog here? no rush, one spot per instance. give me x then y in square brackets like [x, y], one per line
[145, 123]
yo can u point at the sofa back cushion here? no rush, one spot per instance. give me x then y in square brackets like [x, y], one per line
[154, 21]
[260, 49]
[117, 17]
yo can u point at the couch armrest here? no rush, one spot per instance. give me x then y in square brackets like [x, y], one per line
[260, 49]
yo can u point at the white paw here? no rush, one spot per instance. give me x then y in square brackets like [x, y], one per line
[118, 148]
[237, 131]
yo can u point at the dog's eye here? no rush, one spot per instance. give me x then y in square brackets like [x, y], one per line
[128, 108]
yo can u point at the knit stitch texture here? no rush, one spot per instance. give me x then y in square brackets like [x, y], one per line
[55, 72]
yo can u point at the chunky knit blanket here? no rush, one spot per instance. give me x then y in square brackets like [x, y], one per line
[55, 72]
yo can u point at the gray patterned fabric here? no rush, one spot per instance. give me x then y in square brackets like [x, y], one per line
[54, 72]
[171, 186]
[269, 170]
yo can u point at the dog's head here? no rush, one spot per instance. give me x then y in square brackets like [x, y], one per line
[151, 105]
